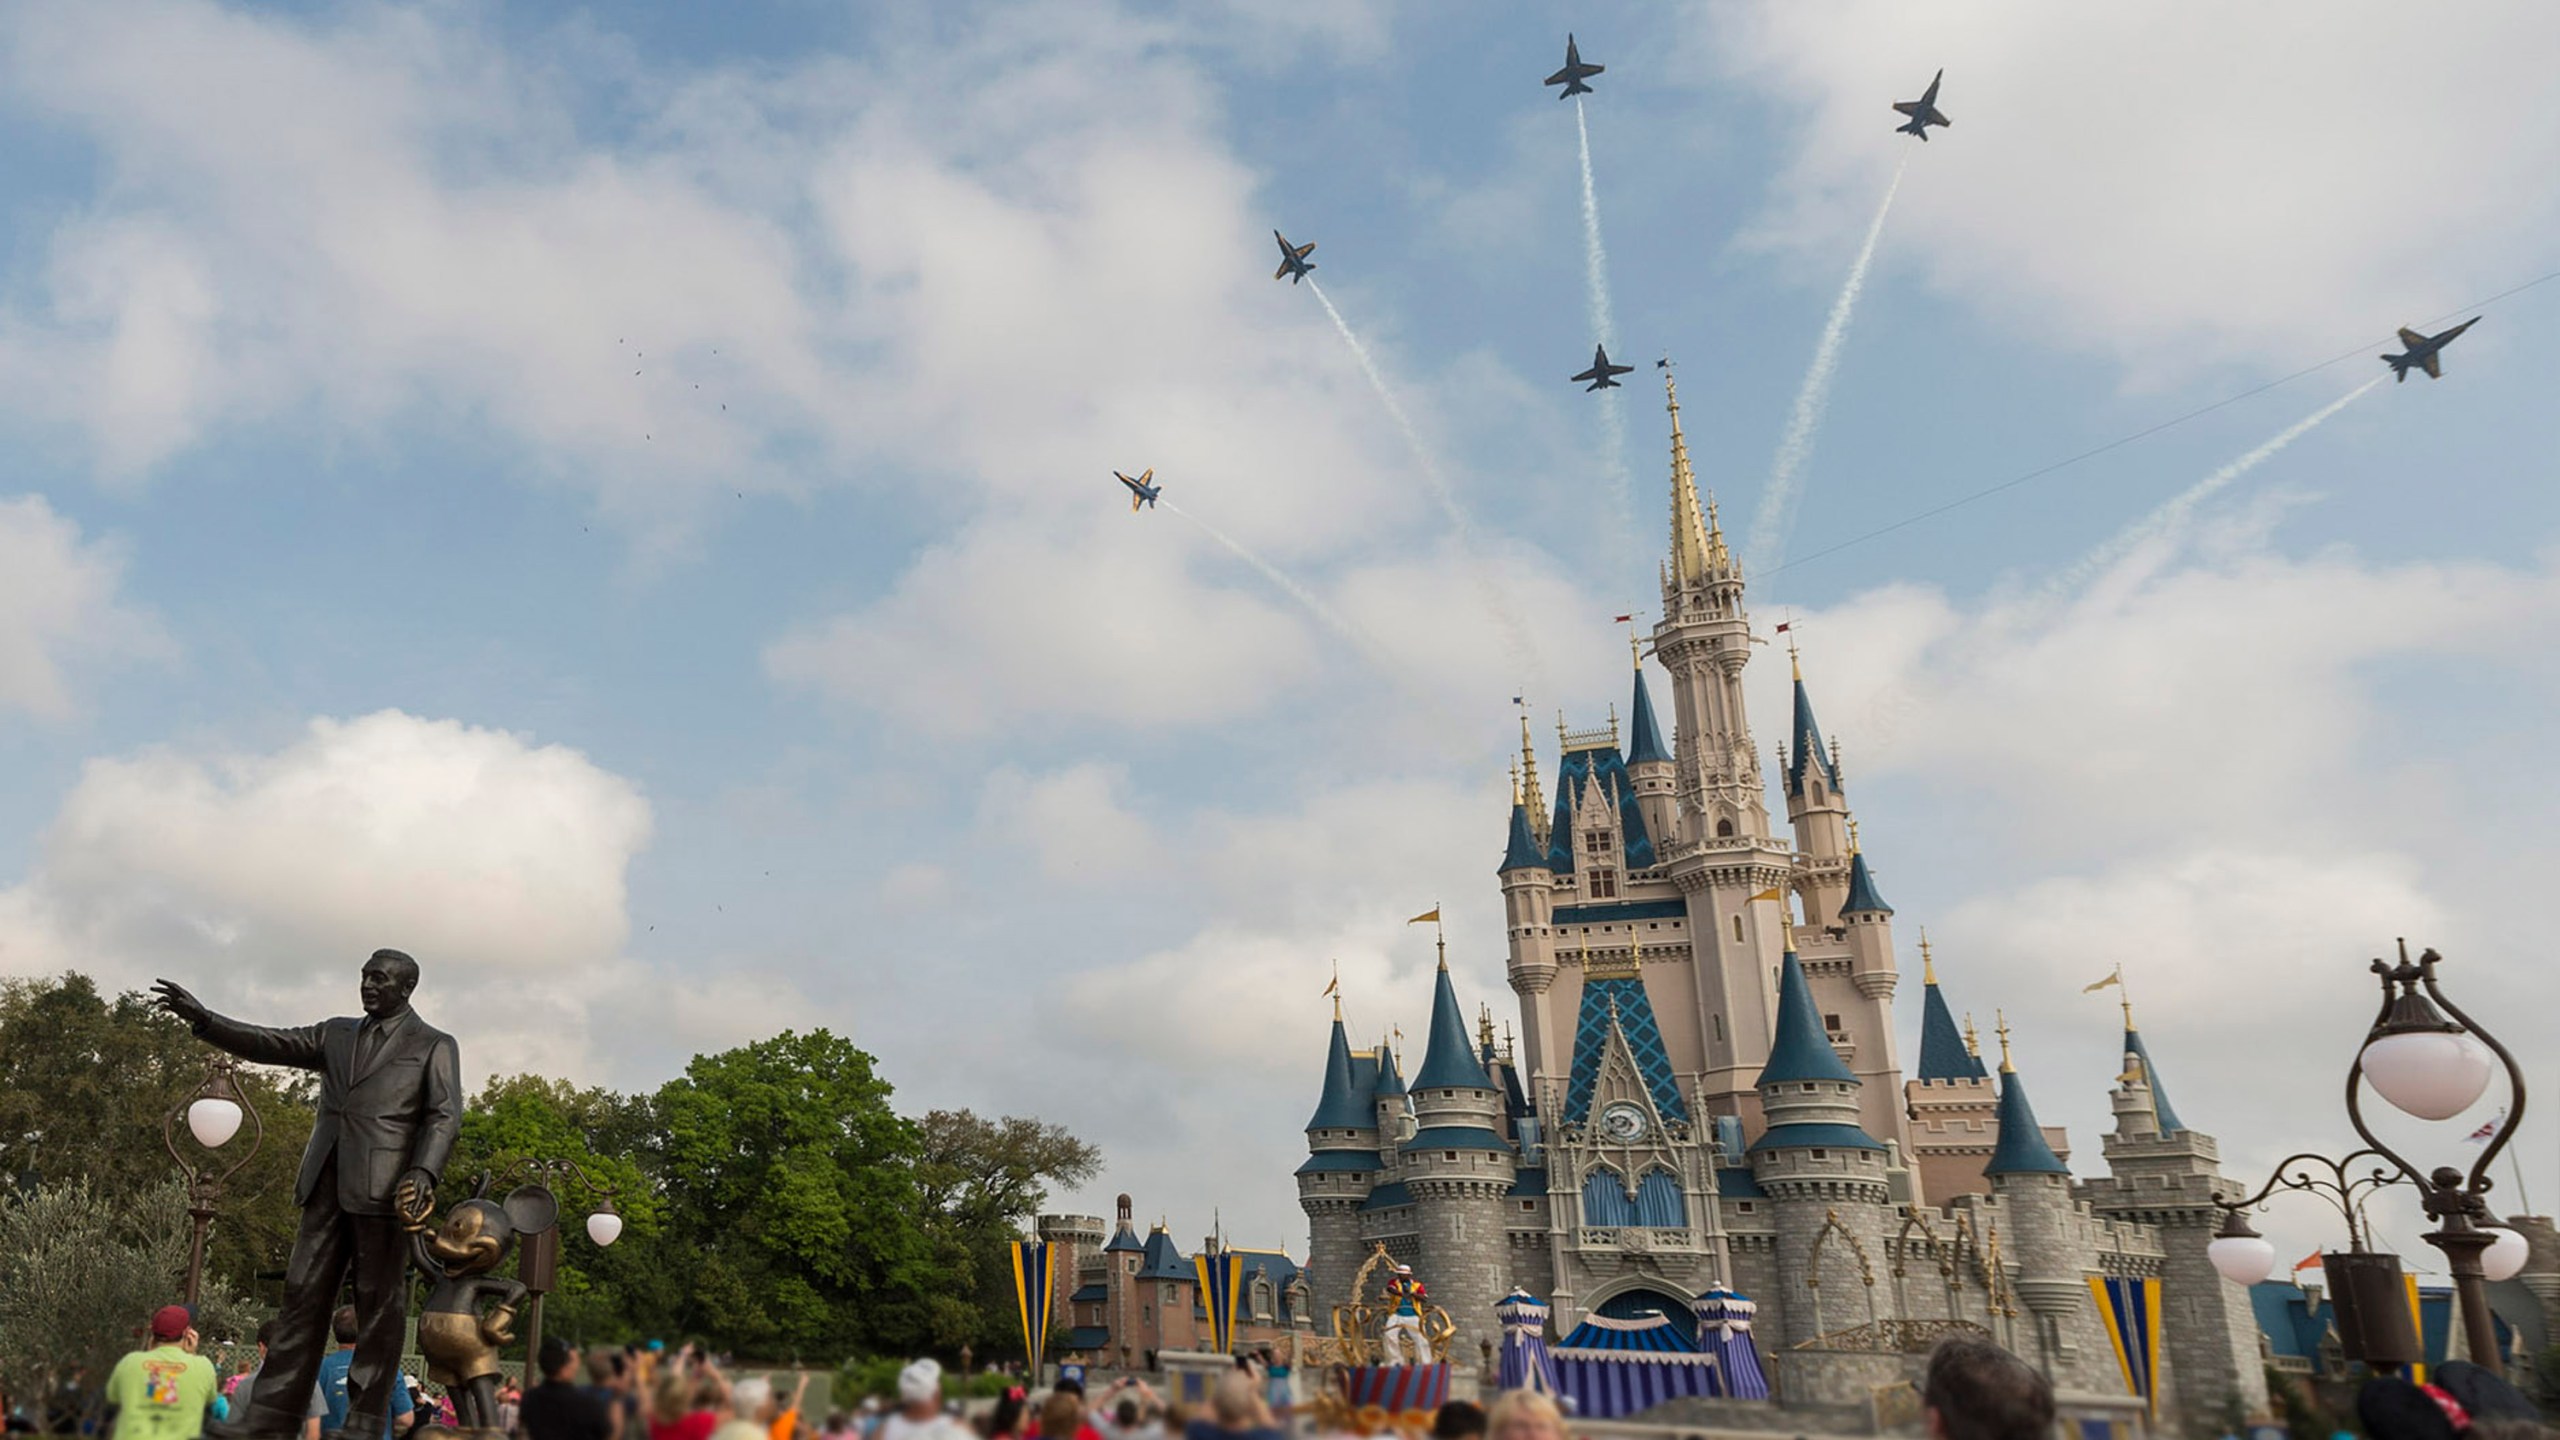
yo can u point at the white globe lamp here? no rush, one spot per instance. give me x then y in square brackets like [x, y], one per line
[604, 1227]
[2241, 1254]
[2505, 1256]
[213, 1120]
[2432, 1074]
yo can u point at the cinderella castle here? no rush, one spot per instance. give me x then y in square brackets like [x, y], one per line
[1707, 1089]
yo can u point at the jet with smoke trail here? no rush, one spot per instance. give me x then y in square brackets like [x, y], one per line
[1140, 492]
[2423, 351]
[1574, 72]
[1924, 112]
[1294, 263]
[1602, 374]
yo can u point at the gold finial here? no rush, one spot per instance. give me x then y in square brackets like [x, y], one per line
[1795, 660]
[1697, 546]
[1635, 646]
[2000, 1023]
[1972, 1037]
[1928, 963]
[1853, 836]
[1515, 782]
[1786, 922]
[1335, 990]
[1484, 1026]
[1529, 780]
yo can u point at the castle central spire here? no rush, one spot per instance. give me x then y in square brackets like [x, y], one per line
[1698, 552]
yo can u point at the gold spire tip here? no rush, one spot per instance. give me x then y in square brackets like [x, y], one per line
[1972, 1037]
[2000, 1022]
[1928, 962]
[1853, 836]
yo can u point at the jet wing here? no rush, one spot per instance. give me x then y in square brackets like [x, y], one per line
[2411, 338]
[2434, 366]
[1561, 77]
[1909, 107]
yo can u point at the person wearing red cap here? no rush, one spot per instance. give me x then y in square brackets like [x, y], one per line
[161, 1393]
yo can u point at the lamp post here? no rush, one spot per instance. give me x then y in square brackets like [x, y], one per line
[2424, 1055]
[538, 1246]
[2365, 1287]
[212, 1116]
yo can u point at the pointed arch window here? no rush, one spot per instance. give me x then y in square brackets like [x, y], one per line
[1604, 1199]
[1660, 1203]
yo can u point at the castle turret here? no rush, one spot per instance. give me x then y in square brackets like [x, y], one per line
[1954, 1111]
[2035, 1187]
[1459, 1168]
[2162, 1174]
[1825, 1176]
[1121, 1301]
[1816, 808]
[1342, 1163]
[1649, 763]
[1528, 902]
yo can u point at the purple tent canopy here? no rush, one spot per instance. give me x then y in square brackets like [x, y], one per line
[1621, 1367]
[1724, 1331]
[1525, 1362]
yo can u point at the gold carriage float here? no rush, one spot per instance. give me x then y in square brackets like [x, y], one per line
[1388, 1357]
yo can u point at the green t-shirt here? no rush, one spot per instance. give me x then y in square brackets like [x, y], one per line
[161, 1394]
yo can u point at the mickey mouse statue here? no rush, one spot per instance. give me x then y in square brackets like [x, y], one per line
[459, 1342]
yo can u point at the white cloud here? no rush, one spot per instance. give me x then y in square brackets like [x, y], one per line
[2261, 185]
[60, 610]
[261, 880]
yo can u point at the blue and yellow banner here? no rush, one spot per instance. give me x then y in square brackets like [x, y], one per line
[2131, 1308]
[1221, 1277]
[1033, 1285]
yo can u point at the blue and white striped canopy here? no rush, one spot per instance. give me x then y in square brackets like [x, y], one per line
[1617, 1367]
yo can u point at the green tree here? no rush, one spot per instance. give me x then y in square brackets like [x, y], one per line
[790, 1182]
[981, 1181]
[84, 1085]
[80, 1270]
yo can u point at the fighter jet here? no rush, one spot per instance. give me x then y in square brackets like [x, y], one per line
[1601, 372]
[1574, 72]
[1140, 492]
[1293, 258]
[2423, 353]
[1924, 112]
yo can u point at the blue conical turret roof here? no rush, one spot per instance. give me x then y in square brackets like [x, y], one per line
[1801, 1050]
[1389, 1082]
[1809, 753]
[1341, 1107]
[2021, 1148]
[1450, 1062]
[2151, 1073]
[1942, 1052]
[1164, 1259]
[1862, 890]
[1644, 740]
[1523, 852]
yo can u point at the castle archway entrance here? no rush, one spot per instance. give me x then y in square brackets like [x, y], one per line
[1634, 1304]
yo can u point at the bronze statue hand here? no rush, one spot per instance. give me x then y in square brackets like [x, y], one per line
[171, 996]
[415, 1197]
[500, 1327]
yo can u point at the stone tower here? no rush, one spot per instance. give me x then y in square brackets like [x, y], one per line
[2034, 1188]
[1342, 1164]
[1824, 1175]
[1070, 1239]
[1954, 1111]
[1458, 1167]
[2164, 1175]
[1720, 858]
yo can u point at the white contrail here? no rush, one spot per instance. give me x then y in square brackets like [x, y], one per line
[1515, 635]
[1604, 326]
[2173, 512]
[1776, 515]
[1315, 606]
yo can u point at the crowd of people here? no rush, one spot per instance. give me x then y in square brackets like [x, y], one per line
[1973, 1390]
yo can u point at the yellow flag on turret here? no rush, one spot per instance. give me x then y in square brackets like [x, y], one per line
[1430, 916]
[1769, 894]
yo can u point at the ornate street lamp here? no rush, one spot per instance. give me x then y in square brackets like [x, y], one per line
[2365, 1287]
[212, 1116]
[2424, 1055]
[538, 1244]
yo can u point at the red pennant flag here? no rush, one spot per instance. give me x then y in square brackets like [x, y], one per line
[1624, 620]
[2306, 1262]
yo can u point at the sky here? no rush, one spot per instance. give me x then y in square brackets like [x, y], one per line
[617, 502]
